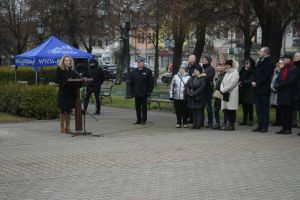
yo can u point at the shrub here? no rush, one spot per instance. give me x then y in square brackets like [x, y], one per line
[39, 102]
[7, 74]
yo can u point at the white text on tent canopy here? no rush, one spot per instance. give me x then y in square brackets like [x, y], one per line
[48, 61]
[25, 61]
[62, 50]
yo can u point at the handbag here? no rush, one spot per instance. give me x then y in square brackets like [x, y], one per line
[217, 94]
[226, 96]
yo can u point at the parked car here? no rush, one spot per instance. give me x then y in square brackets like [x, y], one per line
[166, 77]
[110, 71]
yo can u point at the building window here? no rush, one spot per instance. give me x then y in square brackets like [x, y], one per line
[296, 29]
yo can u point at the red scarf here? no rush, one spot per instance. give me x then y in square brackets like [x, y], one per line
[285, 69]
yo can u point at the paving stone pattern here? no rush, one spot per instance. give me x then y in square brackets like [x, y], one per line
[153, 162]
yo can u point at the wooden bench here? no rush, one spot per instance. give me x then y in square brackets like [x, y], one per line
[160, 96]
[22, 82]
[106, 90]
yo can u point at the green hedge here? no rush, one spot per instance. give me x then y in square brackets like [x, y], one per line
[39, 102]
[26, 74]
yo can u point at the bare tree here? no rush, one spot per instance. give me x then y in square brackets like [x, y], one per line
[177, 24]
[247, 22]
[274, 17]
[17, 26]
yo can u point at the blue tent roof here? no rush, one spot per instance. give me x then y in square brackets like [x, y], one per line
[49, 54]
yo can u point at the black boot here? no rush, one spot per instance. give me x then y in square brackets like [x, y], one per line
[97, 112]
[281, 131]
[230, 127]
[243, 123]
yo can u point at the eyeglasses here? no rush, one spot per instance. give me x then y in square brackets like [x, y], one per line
[67, 60]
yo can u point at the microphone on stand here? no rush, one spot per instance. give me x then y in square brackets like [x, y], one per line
[77, 73]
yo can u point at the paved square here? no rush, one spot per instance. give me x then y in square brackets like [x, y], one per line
[153, 162]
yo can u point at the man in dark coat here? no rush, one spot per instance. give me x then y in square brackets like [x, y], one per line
[141, 84]
[261, 84]
[96, 73]
[297, 91]
[285, 85]
[210, 75]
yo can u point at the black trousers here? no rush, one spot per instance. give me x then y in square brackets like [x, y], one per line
[181, 111]
[262, 110]
[286, 117]
[231, 116]
[89, 91]
[197, 117]
[278, 115]
[247, 112]
[141, 109]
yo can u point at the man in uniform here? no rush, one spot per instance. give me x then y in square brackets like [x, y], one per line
[140, 87]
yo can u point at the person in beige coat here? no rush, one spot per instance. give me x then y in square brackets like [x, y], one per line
[230, 90]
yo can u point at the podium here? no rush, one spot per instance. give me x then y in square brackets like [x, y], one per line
[77, 82]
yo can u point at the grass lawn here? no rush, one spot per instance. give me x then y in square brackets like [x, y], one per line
[9, 118]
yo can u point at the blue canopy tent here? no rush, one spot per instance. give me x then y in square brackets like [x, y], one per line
[48, 54]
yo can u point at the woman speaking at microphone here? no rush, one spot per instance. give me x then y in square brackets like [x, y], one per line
[66, 92]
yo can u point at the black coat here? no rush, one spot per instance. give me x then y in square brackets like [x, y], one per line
[262, 76]
[219, 81]
[297, 96]
[210, 75]
[286, 90]
[141, 82]
[245, 88]
[96, 74]
[67, 91]
[195, 92]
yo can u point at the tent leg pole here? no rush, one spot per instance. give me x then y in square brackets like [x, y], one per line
[15, 75]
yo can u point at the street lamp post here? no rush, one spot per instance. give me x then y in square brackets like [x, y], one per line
[40, 28]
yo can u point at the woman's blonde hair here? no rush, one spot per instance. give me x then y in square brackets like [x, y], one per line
[61, 62]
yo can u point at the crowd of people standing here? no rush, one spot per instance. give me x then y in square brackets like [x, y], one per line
[262, 84]
[199, 86]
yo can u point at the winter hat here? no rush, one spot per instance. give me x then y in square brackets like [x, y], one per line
[140, 59]
[93, 62]
[199, 68]
[208, 58]
[290, 56]
[183, 67]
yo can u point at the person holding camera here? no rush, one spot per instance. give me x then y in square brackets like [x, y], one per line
[96, 73]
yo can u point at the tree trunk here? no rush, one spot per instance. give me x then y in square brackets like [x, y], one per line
[272, 27]
[120, 65]
[272, 35]
[247, 44]
[177, 52]
[156, 67]
[200, 42]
